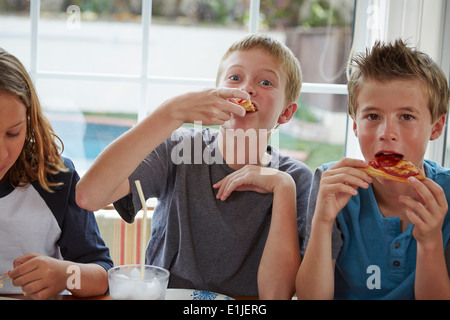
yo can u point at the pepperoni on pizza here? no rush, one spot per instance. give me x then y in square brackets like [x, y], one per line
[393, 167]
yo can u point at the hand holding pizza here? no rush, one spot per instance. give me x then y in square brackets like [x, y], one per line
[210, 106]
[337, 185]
[427, 212]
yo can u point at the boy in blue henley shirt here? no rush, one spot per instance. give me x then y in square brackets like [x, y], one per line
[373, 238]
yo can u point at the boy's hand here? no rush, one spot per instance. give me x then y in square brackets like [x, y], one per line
[39, 276]
[337, 185]
[251, 178]
[427, 212]
[210, 106]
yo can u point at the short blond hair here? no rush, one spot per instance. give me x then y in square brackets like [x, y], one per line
[394, 61]
[275, 48]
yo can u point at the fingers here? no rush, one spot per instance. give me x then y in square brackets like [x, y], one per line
[350, 162]
[428, 211]
[232, 93]
[209, 106]
[430, 192]
[215, 106]
[227, 185]
[340, 178]
[37, 289]
[24, 275]
[236, 110]
[35, 275]
[23, 267]
[21, 260]
[346, 176]
[430, 196]
[338, 184]
[247, 178]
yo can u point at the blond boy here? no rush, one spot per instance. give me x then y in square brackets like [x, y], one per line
[238, 243]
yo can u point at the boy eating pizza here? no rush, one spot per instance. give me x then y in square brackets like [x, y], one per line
[372, 237]
[222, 223]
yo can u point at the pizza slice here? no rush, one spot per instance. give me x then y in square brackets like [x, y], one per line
[246, 104]
[3, 278]
[393, 167]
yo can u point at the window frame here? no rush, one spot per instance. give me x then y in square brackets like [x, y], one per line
[144, 78]
[361, 39]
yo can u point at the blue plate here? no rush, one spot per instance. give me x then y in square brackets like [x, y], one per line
[191, 294]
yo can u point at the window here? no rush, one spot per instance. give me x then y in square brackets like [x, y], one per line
[100, 66]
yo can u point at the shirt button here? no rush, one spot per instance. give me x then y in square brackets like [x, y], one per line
[396, 263]
[397, 245]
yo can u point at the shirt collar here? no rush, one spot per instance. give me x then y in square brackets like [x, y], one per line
[5, 188]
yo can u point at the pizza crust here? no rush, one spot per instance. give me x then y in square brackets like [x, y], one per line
[247, 105]
[371, 171]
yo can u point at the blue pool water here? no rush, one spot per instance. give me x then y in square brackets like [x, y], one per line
[83, 141]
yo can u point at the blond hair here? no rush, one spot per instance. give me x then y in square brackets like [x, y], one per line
[275, 48]
[40, 156]
[394, 61]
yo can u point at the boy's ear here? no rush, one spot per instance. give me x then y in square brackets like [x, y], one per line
[355, 128]
[438, 127]
[288, 113]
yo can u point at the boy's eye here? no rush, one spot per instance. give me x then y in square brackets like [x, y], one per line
[372, 116]
[265, 82]
[407, 117]
[234, 78]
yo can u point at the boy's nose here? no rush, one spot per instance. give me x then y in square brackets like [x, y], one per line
[388, 132]
[247, 87]
[387, 137]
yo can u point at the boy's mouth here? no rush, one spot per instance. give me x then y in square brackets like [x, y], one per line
[389, 154]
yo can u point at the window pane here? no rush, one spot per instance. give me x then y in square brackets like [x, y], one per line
[158, 93]
[89, 36]
[15, 29]
[316, 135]
[88, 115]
[318, 32]
[196, 52]
[188, 38]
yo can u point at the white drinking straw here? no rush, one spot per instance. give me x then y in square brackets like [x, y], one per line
[143, 226]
